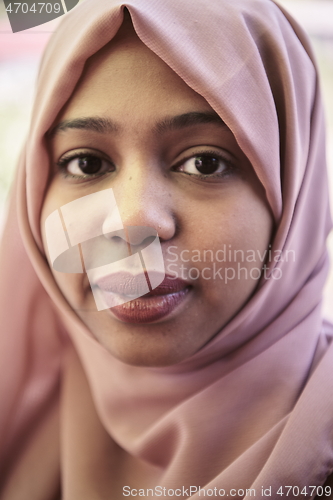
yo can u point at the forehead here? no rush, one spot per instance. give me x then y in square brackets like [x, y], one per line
[127, 80]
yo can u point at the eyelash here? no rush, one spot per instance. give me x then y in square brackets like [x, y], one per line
[63, 163]
[209, 153]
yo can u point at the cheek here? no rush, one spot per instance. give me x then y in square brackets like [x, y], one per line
[77, 291]
[241, 218]
[251, 223]
[75, 287]
[248, 231]
[229, 234]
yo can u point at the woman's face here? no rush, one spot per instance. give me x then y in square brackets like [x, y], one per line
[174, 166]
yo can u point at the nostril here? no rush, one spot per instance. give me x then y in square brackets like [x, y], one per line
[143, 244]
[117, 239]
[137, 237]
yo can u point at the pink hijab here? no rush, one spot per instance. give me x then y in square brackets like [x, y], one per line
[254, 407]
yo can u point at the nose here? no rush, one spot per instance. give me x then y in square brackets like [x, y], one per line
[145, 200]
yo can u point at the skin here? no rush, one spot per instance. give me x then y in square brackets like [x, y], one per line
[128, 84]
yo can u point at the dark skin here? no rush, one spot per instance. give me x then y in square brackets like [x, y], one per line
[148, 152]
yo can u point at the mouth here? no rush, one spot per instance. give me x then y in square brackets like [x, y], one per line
[137, 301]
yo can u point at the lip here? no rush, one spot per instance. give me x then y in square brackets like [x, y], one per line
[152, 306]
[123, 283]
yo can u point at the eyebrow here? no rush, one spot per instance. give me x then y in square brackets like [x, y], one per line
[188, 120]
[105, 125]
[93, 123]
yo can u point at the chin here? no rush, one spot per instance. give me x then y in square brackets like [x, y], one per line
[156, 346]
[145, 356]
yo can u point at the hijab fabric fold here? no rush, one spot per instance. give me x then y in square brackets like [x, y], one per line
[254, 407]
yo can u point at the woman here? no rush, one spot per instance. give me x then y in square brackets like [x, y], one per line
[202, 123]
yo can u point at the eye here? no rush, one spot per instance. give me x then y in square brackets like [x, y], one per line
[84, 165]
[205, 164]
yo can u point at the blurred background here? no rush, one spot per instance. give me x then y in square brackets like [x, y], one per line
[20, 54]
